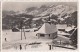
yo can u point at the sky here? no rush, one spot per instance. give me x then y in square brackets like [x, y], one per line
[19, 6]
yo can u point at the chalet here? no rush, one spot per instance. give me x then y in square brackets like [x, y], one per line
[48, 30]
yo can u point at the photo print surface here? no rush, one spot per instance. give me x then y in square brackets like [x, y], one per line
[0, 26]
[39, 26]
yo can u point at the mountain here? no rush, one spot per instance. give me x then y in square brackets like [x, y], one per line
[58, 13]
[58, 10]
[37, 10]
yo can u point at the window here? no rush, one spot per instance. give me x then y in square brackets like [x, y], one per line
[42, 35]
[49, 35]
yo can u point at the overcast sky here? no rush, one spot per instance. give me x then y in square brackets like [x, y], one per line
[19, 6]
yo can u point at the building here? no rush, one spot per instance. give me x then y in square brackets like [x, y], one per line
[48, 30]
[15, 30]
[63, 29]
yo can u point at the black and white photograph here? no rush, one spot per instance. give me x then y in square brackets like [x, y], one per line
[39, 26]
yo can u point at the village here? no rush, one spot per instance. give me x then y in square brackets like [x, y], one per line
[49, 35]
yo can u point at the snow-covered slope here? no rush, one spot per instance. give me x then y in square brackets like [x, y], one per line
[58, 10]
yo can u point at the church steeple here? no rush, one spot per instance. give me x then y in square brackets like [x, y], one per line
[49, 21]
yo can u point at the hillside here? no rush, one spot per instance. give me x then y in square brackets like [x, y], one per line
[58, 13]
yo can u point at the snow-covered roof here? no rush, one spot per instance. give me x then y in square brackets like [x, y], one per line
[64, 26]
[62, 33]
[35, 28]
[62, 38]
[47, 29]
[61, 26]
[61, 19]
[46, 17]
[69, 28]
[36, 18]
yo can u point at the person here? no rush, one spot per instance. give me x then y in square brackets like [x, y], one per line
[5, 40]
[49, 47]
[20, 47]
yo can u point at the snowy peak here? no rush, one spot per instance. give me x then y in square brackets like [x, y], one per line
[58, 10]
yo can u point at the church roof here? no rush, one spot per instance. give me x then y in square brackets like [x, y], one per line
[47, 28]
